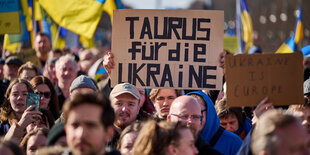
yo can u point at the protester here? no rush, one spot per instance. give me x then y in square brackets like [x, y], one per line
[89, 124]
[279, 133]
[28, 70]
[147, 110]
[9, 148]
[13, 111]
[86, 60]
[125, 102]
[42, 45]
[66, 72]
[45, 121]
[33, 141]
[128, 137]
[49, 70]
[302, 111]
[48, 97]
[162, 99]
[10, 69]
[219, 138]
[55, 54]
[81, 85]
[232, 119]
[165, 138]
[187, 110]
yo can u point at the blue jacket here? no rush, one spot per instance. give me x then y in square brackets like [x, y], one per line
[228, 143]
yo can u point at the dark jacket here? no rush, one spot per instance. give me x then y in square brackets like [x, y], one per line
[205, 148]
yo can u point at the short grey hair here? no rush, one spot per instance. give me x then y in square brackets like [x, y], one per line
[66, 57]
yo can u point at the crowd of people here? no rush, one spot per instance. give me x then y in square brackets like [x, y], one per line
[80, 113]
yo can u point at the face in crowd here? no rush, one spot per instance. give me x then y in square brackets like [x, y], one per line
[128, 142]
[186, 109]
[28, 74]
[163, 101]
[304, 116]
[203, 109]
[34, 143]
[45, 94]
[66, 70]
[126, 108]
[85, 132]
[230, 123]
[186, 143]
[18, 97]
[10, 71]
[42, 46]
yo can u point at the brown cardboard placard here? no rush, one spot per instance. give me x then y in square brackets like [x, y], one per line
[168, 48]
[250, 78]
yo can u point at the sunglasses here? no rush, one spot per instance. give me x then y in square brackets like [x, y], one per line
[44, 94]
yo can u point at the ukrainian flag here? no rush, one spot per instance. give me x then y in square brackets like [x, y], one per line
[244, 26]
[79, 16]
[290, 45]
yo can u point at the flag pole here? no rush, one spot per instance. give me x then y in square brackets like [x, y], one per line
[56, 37]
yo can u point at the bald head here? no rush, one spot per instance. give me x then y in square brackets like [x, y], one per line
[186, 109]
[187, 102]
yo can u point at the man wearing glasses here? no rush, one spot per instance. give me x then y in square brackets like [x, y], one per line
[186, 109]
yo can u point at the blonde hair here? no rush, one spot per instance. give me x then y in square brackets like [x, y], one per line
[154, 138]
[154, 93]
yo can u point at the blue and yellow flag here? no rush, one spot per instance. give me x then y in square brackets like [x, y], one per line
[109, 6]
[244, 26]
[290, 45]
[81, 17]
[306, 50]
[102, 71]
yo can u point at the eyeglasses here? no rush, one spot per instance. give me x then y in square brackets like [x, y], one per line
[204, 110]
[44, 94]
[186, 117]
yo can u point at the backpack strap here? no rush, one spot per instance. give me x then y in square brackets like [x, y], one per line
[216, 136]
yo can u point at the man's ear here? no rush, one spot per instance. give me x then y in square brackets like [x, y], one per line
[110, 133]
[172, 150]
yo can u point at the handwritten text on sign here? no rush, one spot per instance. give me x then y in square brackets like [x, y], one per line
[250, 78]
[168, 48]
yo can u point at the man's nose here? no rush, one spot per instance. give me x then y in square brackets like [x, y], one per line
[81, 132]
[124, 108]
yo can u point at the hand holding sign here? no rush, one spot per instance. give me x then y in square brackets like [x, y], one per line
[108, 62]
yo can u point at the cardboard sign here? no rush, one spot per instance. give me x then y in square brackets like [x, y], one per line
[168, 48]
[250, 78]
[9, 17]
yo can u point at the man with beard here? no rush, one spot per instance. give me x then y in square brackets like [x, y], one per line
[89, 124]
[187, 110]
[66, 72]
[125, 102]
